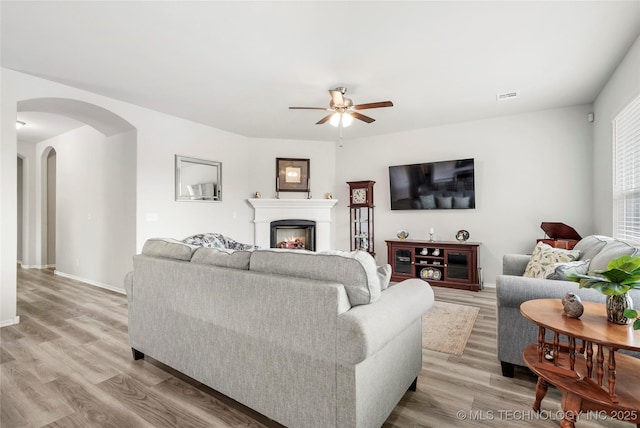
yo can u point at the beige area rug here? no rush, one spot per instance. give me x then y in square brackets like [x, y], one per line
[446, 327]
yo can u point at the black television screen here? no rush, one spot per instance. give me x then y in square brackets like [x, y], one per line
[433, 185]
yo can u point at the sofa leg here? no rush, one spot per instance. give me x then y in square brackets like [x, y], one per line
[507, 369]
[137, 355]
[414, 385]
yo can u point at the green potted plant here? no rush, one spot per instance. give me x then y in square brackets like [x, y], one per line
[622, 274]
[632, 314]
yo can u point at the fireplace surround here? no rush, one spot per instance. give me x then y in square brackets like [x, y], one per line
[317, 210]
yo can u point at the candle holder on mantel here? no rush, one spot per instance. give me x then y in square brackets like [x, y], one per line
[431, 235]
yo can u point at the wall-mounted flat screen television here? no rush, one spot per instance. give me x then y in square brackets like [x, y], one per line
[433, 185]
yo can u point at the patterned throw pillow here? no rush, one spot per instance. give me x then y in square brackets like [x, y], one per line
[217, 240]
[544, 258]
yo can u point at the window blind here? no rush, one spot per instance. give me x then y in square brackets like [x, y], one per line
[626, 170]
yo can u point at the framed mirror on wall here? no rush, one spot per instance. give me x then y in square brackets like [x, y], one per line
[198, 179]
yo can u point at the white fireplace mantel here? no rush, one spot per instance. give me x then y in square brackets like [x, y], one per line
[268, 210]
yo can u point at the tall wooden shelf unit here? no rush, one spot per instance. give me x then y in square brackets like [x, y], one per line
[455, 262]
[361, 215]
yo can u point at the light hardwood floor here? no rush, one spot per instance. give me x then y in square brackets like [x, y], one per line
[68, 364]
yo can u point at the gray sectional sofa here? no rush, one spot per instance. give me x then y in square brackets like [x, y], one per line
[307, 339]
[512, 289]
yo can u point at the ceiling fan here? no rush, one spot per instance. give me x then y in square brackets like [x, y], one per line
[342, 109]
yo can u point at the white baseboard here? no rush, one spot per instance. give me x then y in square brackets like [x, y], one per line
[90, 282]
[7, 323]
[36, 266]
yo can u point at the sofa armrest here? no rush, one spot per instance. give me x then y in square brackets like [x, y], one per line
[512, 291]
[514, 332]
[514, 264]
[365, 329]
[128, 283]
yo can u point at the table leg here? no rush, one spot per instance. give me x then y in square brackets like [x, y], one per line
[571, 405]
[541, 335]
[612, 375]
[541, 391]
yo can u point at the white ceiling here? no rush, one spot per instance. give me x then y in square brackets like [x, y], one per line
[42, 126]
[239, 65]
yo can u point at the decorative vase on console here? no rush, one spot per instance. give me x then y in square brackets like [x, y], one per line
[622, 274]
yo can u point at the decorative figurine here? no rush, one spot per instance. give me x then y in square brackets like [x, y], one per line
[462, 235]
[402, 234]
[258, 195]
[573, 306]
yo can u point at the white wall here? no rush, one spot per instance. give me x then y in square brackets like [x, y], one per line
[530, 168]
[620, 90]
[247, 166]
[95, 200]
[321, 155]
[8, 200]
[159, 141]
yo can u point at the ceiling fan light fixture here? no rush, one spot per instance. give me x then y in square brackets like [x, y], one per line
[20, 124]
[335, 119]
[341, 118]
[346, 119]
[342, 111]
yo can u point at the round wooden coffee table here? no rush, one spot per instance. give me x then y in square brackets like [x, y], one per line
[567, 361]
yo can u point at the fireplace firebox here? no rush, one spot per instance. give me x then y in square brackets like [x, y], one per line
[293, 234]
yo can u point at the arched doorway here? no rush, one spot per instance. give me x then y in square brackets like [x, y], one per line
[48, 216]
[83, 211]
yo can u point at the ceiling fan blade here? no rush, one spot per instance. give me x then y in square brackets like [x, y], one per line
[336, 97]
[308, 108]
[324, 119]
[362, 117]
[373, 105]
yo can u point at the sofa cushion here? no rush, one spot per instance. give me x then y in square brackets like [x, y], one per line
[384, 275]
[591, 245]
[610, 251]
[168, 248]
[428, 201]
[222, 257]
[544, 259]
[356, 270]
[461, 202]
[445, 201]
[580, 267]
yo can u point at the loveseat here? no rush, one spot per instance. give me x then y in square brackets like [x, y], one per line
[307, 339]
[512, 289]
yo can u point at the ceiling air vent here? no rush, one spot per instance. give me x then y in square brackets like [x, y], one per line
[507, 96]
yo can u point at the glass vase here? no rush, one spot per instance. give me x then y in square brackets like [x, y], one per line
[616, 306]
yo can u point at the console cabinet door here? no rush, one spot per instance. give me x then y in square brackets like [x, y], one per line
[402, 262]
[458, 266]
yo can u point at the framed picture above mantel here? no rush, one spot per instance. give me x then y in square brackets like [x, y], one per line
[292, 175]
